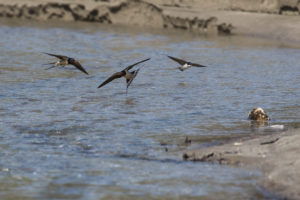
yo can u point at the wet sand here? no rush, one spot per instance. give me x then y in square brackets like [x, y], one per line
[264, 19]
[276, 154]
[203, 17]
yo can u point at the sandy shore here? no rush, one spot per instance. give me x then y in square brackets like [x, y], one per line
[123, 12]
[249, 18]
[276, 154]
[198, 16]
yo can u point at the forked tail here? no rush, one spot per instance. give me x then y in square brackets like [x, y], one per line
[50, 67]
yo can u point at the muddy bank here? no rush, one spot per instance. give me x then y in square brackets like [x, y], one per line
[284, 7]
[271, 19]
[125, 12]
[276, 154]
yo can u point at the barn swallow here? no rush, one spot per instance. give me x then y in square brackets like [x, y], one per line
[185, 64]
[129, 76]
[65, 60]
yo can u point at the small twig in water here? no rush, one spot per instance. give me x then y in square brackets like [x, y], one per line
[270, 142]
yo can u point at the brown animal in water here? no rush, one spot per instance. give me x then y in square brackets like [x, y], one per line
[258, 114]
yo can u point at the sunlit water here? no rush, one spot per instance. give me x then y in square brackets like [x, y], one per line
[62, 138]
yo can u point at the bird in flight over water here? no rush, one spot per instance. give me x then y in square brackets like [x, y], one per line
[185, 64]
[129, 76]
[65, 60]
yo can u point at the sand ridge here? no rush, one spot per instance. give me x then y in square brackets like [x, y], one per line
[270, 19]
[123, 12]
[276, 154]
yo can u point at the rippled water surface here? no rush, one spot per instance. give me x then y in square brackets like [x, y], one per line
[62, 138]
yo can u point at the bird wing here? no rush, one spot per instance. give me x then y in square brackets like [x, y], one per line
[131, 66]
[78, 66]
[57, 56]
[180, 61]
[111, 78]
[197, 65]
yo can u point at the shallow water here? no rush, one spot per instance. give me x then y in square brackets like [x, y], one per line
[62, 138]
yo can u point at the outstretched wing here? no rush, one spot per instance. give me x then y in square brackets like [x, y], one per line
[197, 65]
[111, 78]
[180, 61]
[78, 65]
[57, 56]
[131, 66]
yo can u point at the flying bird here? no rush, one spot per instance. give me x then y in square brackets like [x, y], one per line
[185, 64]
[129, 76]
[65, 60]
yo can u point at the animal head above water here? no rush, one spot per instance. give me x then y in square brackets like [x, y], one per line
[258, 114]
